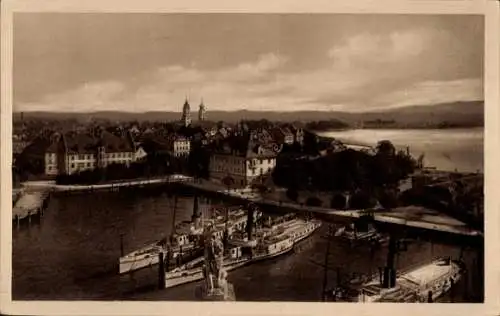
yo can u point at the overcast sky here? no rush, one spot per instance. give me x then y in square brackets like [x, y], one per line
[150, 62]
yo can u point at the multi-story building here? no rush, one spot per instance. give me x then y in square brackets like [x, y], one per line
[245, 159]
[283, 135]
[140, 154]
[75, 152]
[178, 145]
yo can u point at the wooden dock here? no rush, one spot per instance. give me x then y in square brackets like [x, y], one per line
[29, 203]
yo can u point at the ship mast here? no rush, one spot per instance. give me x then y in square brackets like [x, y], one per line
[196, 207]
[226, 237]
[250, 221]
[389, 271]
[169, 253]
[173, 219]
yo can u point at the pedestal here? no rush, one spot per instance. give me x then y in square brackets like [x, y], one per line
[218, 294]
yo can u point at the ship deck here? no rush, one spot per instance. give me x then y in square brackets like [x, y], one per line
[426, 274]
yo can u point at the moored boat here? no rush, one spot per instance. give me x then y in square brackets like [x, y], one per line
[269, 243]
[360, 231]
[424, 283]
[184, 242]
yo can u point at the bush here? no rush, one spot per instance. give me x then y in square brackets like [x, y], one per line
[292, 194]
[313, 201]
[388, 199]
[361, 200]
[338, 201]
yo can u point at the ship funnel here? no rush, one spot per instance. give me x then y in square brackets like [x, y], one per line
[389, 275]
[196, 208]
[250, 220]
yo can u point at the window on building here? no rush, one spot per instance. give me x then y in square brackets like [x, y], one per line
[72, 165]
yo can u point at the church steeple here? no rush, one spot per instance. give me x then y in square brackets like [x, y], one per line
[186, 113]
[202, 111]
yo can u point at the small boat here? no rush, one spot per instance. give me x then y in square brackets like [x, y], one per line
[423, 283]
[270, 243]
[356, 232]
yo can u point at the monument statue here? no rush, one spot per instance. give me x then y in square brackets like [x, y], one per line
[215, 286]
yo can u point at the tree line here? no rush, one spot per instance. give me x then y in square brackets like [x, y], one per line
[361, 177]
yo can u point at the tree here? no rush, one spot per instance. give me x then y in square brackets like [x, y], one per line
[313, 201]
[228, 181]
[261, 188]
[292, 194]
[338, 201]
[361, 200]
[388, 199]
[386, 148]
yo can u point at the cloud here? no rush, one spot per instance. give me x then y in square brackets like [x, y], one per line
[433, 92]
[369, 49]
[89, 96]
[365, 72]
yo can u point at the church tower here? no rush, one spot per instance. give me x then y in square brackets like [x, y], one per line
[186, 114]
[202, 112]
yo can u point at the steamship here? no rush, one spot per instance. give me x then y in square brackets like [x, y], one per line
[269, 242]
[423, 283]
[184, 243]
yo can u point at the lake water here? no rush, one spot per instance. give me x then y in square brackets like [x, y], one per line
[72, 254]
[446, 149]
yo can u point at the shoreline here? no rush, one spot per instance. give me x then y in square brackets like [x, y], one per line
[408, 128]
[383, 217]
[175, 178]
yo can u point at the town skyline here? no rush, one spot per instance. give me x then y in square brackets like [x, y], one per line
[253, 62]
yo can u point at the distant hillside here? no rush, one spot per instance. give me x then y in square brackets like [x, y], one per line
[470, 113]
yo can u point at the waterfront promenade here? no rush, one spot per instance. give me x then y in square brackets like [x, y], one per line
[51, 185]
[412, 217]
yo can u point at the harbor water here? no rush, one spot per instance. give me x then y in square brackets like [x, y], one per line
[72, 254]
[444, 149]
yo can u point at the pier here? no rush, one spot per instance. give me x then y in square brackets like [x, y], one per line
[111, 186]
[29, 203]
[417, 219]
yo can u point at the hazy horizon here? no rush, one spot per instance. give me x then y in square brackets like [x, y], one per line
[228, 110]
[94, 62]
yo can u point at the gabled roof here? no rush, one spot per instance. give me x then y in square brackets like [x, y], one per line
[84, 143]
[79, 143]
[113, 143]
[249, 145]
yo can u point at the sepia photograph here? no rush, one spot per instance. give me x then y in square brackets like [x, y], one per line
[248, 157]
